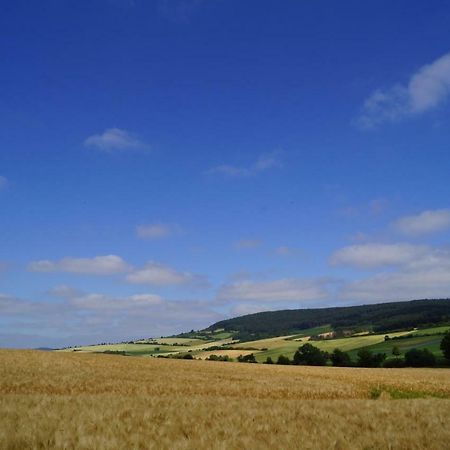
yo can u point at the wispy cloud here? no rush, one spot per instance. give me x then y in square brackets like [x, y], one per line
[375, 208]
[114, 139]
[244, 244]
[99, 265]
[426, 222]
[3, 182]
[282, 290]
[157, 274]
[377, 255]
[426, 89]
[264, 163]
[284, 250]
[106, 303]
[157, 230]
[63, 291]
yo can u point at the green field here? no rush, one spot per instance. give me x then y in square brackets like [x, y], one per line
[223, 344]
[288, 348]
[312, 332]
[431, 343]
[433, 330]
[130, 349]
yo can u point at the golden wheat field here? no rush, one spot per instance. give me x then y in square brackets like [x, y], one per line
[89, 401]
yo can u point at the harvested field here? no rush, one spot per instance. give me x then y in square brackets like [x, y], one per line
[229, 353]
[89, 401]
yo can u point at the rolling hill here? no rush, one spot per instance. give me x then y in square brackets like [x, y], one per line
[379, 318]
[380, 327]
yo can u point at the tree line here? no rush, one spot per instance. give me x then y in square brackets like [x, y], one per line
[382, 317]
[310, 355]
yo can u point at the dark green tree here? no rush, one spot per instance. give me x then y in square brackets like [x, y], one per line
[396, 351]
[309, 355]
[340, 358]
[269, 360]
[368, 359]
[419, 358]
[283, 360]
[445, 345]
[247, 358]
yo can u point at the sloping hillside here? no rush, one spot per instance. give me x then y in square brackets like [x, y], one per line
[380, 317]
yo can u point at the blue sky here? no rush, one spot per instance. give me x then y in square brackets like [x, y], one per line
[166, 164]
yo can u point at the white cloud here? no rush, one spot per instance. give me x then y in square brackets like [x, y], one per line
[287, 289]
[426, 89]
[158, 274]
[247, 244]
[113, 139]
[424, 223]
[90, 318]
[157, 231]
[103, 302]
[63, 291]
[264, 163]
[378, 206]
[376, 255]
[99, 265]
[3, 182]
[424, 276]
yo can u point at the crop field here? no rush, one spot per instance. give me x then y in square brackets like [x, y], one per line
[432, 343]
[131, 349]
[222, 343]
[433, 330]
[288, 347]
[80, 400]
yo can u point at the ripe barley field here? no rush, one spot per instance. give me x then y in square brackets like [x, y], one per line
[92, 401]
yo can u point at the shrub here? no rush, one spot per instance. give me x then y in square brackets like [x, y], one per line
[188, 356]
[247, 358]
[340, 358]
[283, 360]
[269, 360]
[396, 351]
[218, 358]
[419, 358]
[368, 359]
[445, 345]
[309, 355]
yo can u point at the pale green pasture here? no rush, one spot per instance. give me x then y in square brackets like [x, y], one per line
[269, 343]
[206, 345]
[181, 341]
[433, 330]
[288, 348]
[133, 349]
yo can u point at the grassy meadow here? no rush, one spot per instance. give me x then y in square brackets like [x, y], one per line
[62, 400]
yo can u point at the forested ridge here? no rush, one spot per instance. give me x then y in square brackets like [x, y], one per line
[382, 317]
